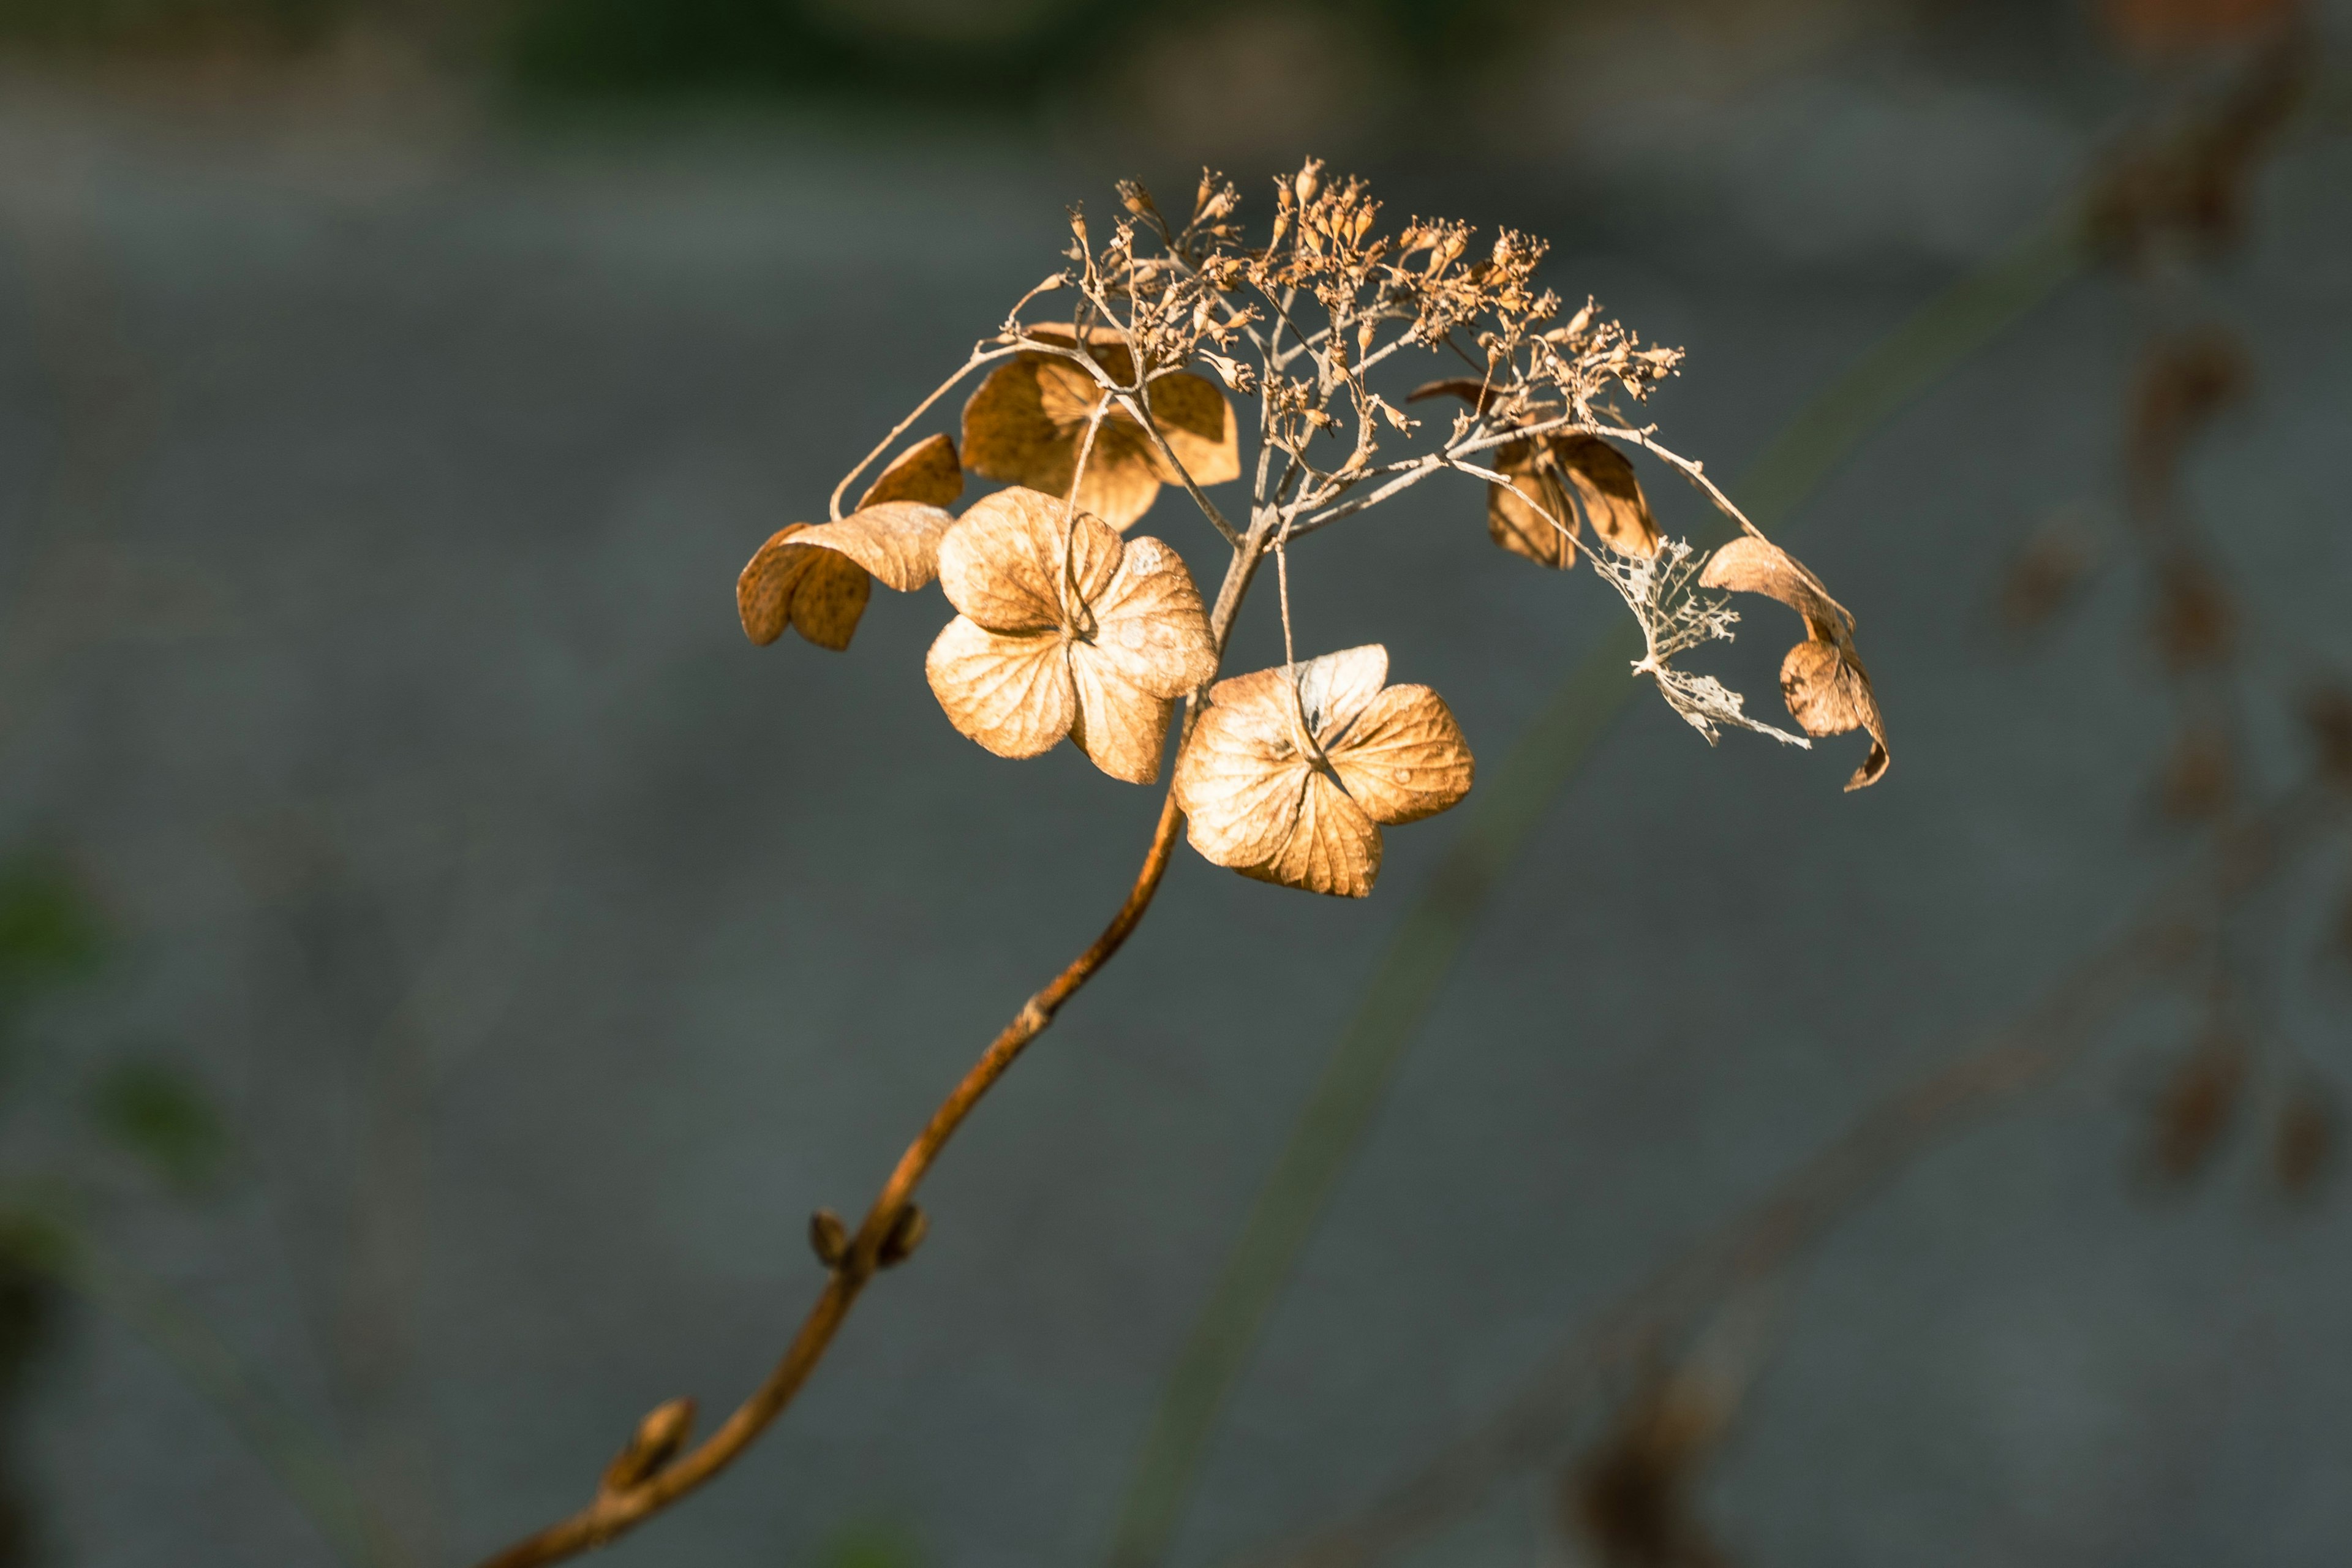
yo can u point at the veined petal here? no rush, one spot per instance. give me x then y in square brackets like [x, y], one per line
[1405, 758]
[1121, 729]
[1012, 694]
[1149, 624]
[1335, 687]
[897, 540]
[1333, 848]
[926, 472]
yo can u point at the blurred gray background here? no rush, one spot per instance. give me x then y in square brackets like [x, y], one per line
[469, 960]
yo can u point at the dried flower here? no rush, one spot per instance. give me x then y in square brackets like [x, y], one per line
[1028, 421]
[1065, 629]
[1291, 772]
[817, 580]
[1827, 689]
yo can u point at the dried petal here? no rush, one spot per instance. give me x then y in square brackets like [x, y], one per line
[1610, 494]
[1753, 566]
[1333, 846]
[1828, 693]
[1149, 625]
[821, 593]
[927, 471]
[1122, 732]
[1405, 758]
[1334, 689]
[1516, 525]
[1011, 693]
[1468, 388]
[897, 540]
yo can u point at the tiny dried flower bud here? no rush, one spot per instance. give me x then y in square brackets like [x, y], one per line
[1135, 198]
[828, 1238]
[659, 1438]
[1364, 338]
[1363, 225]
[1078, 225]
[907, 1233]
[1310, 179]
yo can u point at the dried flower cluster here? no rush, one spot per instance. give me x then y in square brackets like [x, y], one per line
[1067, 627]
[1065, 630]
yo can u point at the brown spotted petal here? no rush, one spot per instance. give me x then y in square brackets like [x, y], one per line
[1513, 521]
[1608, 492]
[1028, 420]
[1289, 774]
[818, 579]
[1071, 631]
[1828, 690]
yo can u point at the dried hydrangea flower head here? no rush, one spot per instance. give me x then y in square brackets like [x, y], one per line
[1064, 629]
[816, 580]
[1292, 772]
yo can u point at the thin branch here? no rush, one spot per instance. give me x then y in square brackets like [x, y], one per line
[980, 356]
[615, 1512]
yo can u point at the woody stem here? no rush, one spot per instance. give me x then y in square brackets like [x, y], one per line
[616, 1512]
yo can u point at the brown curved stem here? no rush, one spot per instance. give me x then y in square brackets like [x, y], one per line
[615, 1512]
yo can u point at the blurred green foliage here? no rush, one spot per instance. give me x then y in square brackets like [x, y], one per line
[874, 1545]
[111, 26]
[1000, 55]
[160, 1113]
[993, 57]
[50, 933]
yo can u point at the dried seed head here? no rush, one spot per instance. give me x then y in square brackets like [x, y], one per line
[1309, 180]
